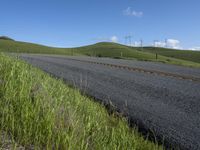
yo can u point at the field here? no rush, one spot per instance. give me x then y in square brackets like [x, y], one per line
[23, 47]
[37, 111]
[177, 57]
[179, 54]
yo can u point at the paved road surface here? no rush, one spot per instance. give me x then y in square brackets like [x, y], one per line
[163, 103]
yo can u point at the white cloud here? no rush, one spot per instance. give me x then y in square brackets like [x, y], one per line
[114, 39]
[130, 12]
[160, 44]
[195, 48]
[172, 43]
[137, 44]
[106, 39]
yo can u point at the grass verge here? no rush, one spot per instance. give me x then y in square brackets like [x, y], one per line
[39, 111]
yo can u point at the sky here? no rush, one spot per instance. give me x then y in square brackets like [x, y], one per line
[72, 23]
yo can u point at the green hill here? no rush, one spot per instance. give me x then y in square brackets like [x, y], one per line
[6, 38]
[100, 49]
[23, 47]
[106, 49]
[180, 54]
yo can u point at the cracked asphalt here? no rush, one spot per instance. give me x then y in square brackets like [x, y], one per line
[167, 107]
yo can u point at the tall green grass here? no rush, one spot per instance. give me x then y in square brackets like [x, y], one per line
[41, 112]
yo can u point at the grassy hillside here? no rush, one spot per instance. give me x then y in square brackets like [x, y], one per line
[180, 54]
[99, 49]
[6, 38]
[121, 51]
[40, 112]
[107, 50]
[23, 47]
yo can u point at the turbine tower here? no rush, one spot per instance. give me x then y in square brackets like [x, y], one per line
[166, 43]
[141, 44]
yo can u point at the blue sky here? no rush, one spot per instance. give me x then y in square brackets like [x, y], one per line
[69, 23]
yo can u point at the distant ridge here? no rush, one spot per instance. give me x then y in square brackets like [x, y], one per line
[6, 38]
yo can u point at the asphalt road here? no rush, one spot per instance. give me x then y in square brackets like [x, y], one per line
[166, 105]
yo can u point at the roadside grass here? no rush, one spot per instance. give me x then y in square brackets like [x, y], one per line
[39, 111]
[105, 49]
[172, 61]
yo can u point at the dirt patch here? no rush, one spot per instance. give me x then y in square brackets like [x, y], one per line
[6, 143]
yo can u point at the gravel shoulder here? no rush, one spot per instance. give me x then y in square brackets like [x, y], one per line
[167, 106]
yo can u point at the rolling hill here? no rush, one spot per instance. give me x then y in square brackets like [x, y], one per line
[24, 47]
[106, 49]
[180, 54]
